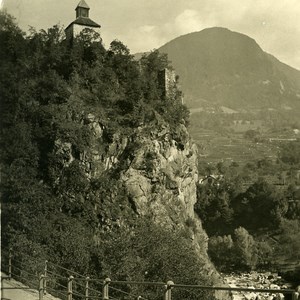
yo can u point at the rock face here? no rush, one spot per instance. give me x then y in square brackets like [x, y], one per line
[157, 169]
[162, 177]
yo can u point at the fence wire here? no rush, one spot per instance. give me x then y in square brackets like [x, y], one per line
[57, 282]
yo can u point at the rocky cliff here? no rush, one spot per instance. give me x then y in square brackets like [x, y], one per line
[154, 168]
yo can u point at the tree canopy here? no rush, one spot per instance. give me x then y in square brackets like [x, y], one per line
[50, 207]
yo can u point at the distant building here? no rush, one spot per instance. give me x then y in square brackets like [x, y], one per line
[81, 22]
[167, 81]
[211, 179]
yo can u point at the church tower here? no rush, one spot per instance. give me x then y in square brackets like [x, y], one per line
[81, 22]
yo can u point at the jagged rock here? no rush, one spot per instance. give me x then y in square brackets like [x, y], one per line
[64, 150]
[158, 175]
[90, 118]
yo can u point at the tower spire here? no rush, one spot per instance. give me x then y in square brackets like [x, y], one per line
[82, 9]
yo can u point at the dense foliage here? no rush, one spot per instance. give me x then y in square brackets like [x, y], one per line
[50, 208]
[251, 208]
[164, 255]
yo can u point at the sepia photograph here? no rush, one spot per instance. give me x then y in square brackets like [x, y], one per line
[150, 150]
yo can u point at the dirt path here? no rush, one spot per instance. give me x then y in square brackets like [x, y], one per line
[19, 294]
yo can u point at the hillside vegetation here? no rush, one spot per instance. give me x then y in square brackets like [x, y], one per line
[98, 172]
[251, 213]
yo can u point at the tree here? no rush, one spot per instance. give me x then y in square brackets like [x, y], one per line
[221, 251]
[244, 246]
[289, 242]
[12, 53]
[290, 153]
[292, 193]
[118, 48]
[265, 255]
[214, 208]
[251, 134]
[261, 206]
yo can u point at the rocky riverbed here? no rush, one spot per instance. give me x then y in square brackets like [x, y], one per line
[256, 280]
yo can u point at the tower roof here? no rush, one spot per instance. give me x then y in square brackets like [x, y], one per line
[85, 22]
[82, 16]
[82, 4]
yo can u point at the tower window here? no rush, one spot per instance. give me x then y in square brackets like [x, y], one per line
[82, 12]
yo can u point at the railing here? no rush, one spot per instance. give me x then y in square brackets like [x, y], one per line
[75, 286]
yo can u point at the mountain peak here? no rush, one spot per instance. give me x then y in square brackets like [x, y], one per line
[228, 68]
[219, 37]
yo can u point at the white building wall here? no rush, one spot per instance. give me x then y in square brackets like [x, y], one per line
[78, 28]
[75, 29]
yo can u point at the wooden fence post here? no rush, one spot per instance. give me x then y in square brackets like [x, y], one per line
[70, 287]
[105, 289]
[168, 287]
[41, 287]
[9, 263]
[45, 278]
[87, 288]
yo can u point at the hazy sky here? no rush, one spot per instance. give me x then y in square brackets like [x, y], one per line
[144, 25]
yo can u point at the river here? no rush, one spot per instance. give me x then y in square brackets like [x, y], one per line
[256, 280]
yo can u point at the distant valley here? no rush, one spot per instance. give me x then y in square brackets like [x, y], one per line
[232, 86]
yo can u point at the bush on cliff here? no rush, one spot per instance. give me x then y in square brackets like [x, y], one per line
[150, 252]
